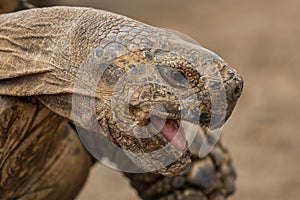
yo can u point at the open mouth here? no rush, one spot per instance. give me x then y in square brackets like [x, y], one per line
[171, 130]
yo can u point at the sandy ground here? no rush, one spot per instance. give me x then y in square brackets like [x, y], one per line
[261, 39]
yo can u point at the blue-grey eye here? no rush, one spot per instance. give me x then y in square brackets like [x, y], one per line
[174, 77]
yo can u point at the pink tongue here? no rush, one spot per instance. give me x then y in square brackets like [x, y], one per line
[170, 129]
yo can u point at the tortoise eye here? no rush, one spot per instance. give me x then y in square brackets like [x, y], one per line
[174, 77]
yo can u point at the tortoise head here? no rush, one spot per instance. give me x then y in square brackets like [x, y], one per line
[146, 93]
[132, 82]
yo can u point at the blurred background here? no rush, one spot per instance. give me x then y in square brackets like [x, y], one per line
[261, 39]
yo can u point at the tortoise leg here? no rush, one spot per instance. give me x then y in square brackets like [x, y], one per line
[210, 178]
[41, 157]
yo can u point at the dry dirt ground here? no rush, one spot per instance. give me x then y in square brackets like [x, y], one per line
[261, 39]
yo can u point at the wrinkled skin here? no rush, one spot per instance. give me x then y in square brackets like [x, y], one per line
[92, 66]
[75, 61]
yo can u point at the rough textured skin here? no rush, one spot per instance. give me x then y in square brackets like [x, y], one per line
[211, 178]
[69, 57]
[79, 53]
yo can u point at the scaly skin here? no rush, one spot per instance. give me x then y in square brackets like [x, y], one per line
[68, 58]
[211, 178]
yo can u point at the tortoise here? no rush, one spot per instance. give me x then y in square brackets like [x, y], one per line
[73, 77]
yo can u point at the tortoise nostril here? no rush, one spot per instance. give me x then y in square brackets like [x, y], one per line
[238, 81]
[237, 91]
